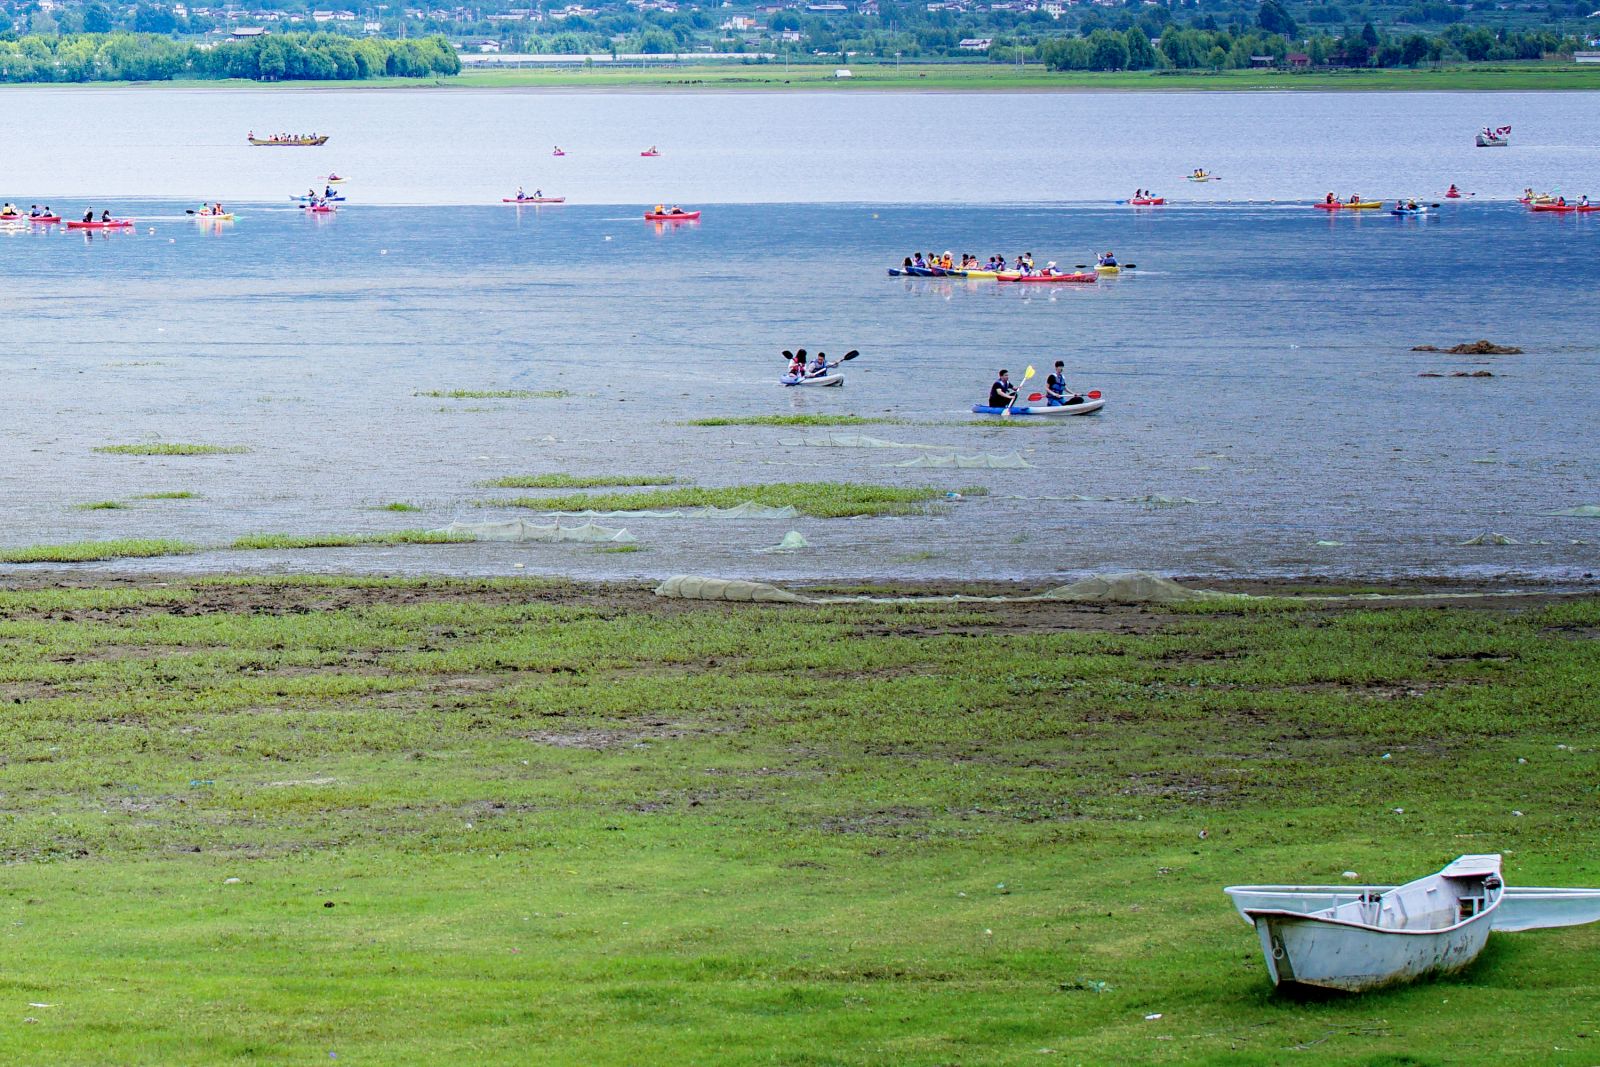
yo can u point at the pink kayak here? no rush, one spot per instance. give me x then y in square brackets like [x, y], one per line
[113, 224]
[1010, 276]
[533, 200]
[671, 216]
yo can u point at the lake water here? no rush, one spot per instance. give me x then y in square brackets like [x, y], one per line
[1263, 397]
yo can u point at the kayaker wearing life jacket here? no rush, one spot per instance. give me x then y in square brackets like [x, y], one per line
[1002, 392]
[1330, 199]
[1453, 191]
[88, 216]
[1055, 387]
[1108, 259]
[797, 367]
[105, 216]
[818, 367]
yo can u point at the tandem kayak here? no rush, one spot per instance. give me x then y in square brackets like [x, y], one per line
[1147, 201]
[1403, 211]
[1203, 178]
[533, 200]
[36, 220]
[820, 379]
[1359, 205]
[304, 199]
[671, 216]
[1044, 279]
[1088, 407]
[1582, 209]
[113, 224]
[213, 216]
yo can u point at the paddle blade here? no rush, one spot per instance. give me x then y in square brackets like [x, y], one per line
[1093, 394]
[787, 354]
[1028, 373]
[848, 356]
[1034, 398]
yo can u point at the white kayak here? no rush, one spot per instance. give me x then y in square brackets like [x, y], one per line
[1088, 407]
[818, 379]
[1521, 907]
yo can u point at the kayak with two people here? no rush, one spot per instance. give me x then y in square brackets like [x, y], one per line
[817, 372]
[662, 213]
[1058, 399]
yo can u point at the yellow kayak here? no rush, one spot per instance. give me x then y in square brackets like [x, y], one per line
[1364, 205]
[1103, 268]
[226, 216]
[981, 274]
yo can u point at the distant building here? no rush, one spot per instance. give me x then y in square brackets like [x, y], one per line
[843, 72]
[1298, 60]
[1263, 61]
[975, 44]
[245, 32]
[1586, 57]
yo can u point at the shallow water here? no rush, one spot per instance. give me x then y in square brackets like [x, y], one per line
[1257, 364]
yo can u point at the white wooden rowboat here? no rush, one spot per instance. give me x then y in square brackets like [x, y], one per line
[1433, 925]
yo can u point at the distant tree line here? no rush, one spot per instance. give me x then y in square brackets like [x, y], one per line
[94, 57]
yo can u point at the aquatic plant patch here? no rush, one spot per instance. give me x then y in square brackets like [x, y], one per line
[172, 494]
[171, 449]
[576, 481]
[88, 551]
[825, 500]
[496, 394]
[792, 420]
[347, 540]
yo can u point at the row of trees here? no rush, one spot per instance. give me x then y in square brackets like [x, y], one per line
[288, 57]
[1186, 48]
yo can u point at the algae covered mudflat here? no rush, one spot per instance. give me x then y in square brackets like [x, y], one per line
[435, 821]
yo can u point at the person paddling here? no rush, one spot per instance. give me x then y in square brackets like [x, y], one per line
[1108, 259]
[797, 367]
[818, 367]
[1002, 393]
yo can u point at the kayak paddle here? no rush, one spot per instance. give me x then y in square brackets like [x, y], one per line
[1006, 414]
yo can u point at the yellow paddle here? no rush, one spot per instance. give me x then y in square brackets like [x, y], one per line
[1006, 414]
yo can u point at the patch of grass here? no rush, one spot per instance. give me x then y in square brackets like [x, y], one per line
[399, 505]
[496, 394]
[643, 831]
[613, 549]
[397, 537]
[171, 494]
[101, 505]
[88, 551]
[575, 481]
[824, 500]
[792, 420]
[171, 449]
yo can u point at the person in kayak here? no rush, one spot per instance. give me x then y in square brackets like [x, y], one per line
[1330, 199]
[818, 366]
[1453, 191]
[538, 194]
[1108, 259]
[105, 216]
[1583, 201]
[1002, 392]
[327, 192]
[88, 216]
[797, 367]
[1055, 387]
[557, 151]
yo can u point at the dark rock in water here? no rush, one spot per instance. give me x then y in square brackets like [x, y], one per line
[1472, 374]
[1430, 374]
[1476, 348]
[1485, 348]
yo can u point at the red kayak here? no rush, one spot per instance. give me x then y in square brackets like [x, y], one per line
[533, 200]
[1085, 276]
[1582, 209]
[114, 224]
[1147, 201]
[1452, 195]
[38, 220]
[649, 155]
[671, 216]
[321, 209]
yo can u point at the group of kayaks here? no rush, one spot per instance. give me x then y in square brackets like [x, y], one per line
[71, 224]
[1047, 277]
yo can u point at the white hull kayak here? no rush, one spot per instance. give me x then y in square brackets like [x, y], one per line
[1434, 925]
[820, 379]
[1088, 407]
[1521, 907]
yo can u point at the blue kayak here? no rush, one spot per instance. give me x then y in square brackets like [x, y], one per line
[1407, 211]
[305, 198]
[1088, 407]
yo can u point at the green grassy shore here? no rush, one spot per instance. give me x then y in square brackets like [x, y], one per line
[287, 821]
[952, 77]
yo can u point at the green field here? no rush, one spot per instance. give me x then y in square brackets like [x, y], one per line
[949, 77]
[394, 822]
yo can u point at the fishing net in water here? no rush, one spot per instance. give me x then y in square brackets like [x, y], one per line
[856, 440]
[1129, 587]
[1582, 511]
[981, 461]
[1490, 539]
[793, 541]
[748, 510]
[518, 530]
[693, 587]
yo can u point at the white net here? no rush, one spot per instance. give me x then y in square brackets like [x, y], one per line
[747, 510]
[793, 541]
[981, 461]
[519, 530]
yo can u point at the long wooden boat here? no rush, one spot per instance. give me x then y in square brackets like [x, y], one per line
[292, 142]
[1433, 925]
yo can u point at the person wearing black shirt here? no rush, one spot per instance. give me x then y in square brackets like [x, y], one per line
[1002, 392]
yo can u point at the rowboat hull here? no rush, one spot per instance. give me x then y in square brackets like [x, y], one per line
[1433, 925]
[1492, 142]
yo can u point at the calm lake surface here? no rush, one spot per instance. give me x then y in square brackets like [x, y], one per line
[1263, 395]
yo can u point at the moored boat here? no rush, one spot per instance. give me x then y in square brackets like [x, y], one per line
[1521, 907]
[1433, 925]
